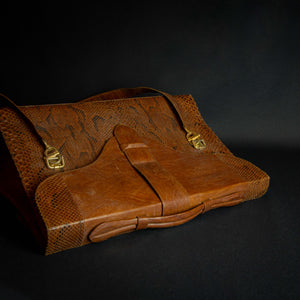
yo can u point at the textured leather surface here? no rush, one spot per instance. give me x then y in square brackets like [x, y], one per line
[144, 168]
[111, 191]
[80, 130]
[172, 194]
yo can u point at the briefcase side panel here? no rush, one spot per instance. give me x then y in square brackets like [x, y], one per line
[12, 189]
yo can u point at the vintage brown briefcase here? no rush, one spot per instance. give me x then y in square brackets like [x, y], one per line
[114, 163]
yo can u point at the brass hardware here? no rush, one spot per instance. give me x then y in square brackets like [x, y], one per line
[195, 139]
[53, 159]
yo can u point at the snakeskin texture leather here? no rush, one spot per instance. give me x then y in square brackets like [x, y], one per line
[128, 166]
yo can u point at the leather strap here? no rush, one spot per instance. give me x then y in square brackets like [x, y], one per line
[9, 103]
[124, 93]
[110, 95]
[172, 194]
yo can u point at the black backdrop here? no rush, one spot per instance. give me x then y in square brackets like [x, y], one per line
[240, 61]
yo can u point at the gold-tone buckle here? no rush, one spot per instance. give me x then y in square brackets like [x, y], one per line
[53, 159]
[195, 139]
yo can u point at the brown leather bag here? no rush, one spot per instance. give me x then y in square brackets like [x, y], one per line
[114, 163]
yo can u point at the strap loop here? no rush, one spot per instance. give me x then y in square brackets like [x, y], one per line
[171, 192]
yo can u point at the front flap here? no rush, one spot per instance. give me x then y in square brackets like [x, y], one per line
[134, 177]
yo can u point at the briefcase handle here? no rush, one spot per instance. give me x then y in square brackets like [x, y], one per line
[124, 93]
[55, 160]
[110, 95]
[193, 137]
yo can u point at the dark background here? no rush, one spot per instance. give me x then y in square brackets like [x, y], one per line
[241, 62]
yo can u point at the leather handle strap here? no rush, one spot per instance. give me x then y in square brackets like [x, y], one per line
[183, 115]
[110, 95]
[124, 93]
[9, 103]
[53, 158]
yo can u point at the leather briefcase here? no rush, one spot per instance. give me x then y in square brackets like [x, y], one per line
[114, 163]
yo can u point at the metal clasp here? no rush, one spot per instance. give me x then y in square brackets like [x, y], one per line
[53, 159]
[195, 139]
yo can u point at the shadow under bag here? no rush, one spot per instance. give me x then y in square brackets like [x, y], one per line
[114, 163]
